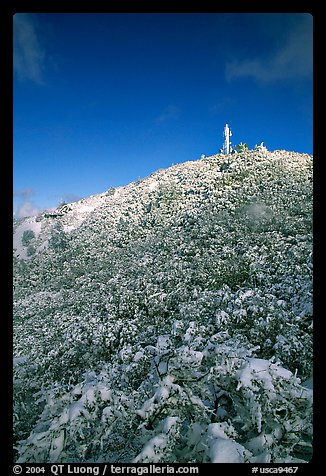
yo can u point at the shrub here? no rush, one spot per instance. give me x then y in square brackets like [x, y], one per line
[27, 237]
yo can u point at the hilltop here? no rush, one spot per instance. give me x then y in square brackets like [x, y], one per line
[169, 320]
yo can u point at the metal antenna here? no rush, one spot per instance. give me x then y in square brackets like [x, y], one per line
[227, 143]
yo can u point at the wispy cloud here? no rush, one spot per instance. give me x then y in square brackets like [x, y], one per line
[24, 193]
[168, 113]
[27, 209]
[292, 60]
[29, 54]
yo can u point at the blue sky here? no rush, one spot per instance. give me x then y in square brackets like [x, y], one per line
[101, 100]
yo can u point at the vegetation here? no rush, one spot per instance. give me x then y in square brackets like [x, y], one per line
[174, 324]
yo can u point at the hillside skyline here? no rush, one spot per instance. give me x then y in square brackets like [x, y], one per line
[138, 310]
[101, 100]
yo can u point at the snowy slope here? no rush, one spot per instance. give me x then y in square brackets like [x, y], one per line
[170, 320]
[72, 215]
[28, 224]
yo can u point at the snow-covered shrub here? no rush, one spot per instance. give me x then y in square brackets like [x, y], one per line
[204, 399]
[175, 321]
[27, 237]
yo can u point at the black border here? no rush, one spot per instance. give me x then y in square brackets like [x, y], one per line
[7, 10]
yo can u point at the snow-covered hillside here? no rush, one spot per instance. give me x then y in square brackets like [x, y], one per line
[169, 320]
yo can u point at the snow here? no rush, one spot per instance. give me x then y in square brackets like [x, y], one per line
[217, 430]
[86, 208]
[139, 355]
[89, 395]
[107, 413]
[190, 357]
[27, 224]
[163, 343]
[19, 360]
[57, 447]
[190, 331]
[77, 390]
[176, 326]
[195, 433]
[308, 383]
[153, 186]
[64, 418]
[68, 228]
[226, 451]
[264, 457]
[148, 296]
[150, 451]
[168, 423]
[281, 372]
[117, 192]
[162, 367]
[42, 246]
[247, 294]
[75, 410]
[262, 371]
[259, 443]
[162, 393]
[35, 438]
[79, 211]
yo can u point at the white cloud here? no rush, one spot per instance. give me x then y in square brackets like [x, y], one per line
[29, 54]
[27, 209]
[24, 193]
[170, 112]
[292, 60]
